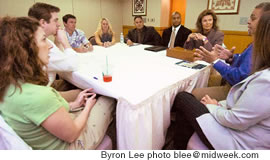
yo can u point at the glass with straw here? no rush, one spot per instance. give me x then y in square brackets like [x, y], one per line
[107, 72]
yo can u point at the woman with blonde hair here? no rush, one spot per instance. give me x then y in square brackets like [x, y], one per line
[35, 111]
[207, 33]
[104, 35]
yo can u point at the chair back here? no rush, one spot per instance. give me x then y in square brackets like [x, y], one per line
[195, 143]
[9, 140]
[92, 40]
[106, 144]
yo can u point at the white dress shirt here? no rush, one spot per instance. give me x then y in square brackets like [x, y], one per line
[176, 30]
[61, 61]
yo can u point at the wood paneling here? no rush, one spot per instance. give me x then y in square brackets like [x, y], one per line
[239, 39]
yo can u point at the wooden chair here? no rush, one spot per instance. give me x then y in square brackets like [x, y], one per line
[92, 40]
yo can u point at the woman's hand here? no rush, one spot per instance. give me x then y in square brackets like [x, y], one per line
[207, 100]
[191, 36]
[224, 53]
[90, 101]
[82, 98]
[205, 55]
[195, 36]
[199, 36]
[107, 44]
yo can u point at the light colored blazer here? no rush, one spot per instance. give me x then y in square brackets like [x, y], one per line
[243, 120]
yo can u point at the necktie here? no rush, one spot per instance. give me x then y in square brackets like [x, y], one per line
[172, 39]
[139, 36]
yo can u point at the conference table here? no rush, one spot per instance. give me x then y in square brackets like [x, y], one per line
[144, 83]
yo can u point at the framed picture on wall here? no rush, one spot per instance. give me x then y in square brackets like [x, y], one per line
[224, 6]
[139, 7]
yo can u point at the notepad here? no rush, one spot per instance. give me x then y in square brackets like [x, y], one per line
[155, 48]
[190, 65]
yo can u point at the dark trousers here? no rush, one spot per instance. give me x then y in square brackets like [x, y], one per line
[188, 108]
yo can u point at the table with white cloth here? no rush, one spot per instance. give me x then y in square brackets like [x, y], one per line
[144, 83]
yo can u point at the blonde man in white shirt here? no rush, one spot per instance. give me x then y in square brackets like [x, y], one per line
[60, 61]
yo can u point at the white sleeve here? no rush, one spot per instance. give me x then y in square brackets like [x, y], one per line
[59, 61]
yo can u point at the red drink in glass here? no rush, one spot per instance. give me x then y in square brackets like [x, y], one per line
[107, 78]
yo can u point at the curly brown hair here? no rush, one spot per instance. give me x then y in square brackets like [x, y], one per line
[19, 54]
[199, 20]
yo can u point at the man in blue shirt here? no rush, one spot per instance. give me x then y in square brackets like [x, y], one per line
[240, 64]
[76, 37]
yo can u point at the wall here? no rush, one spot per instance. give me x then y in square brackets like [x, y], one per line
[88, 12]
[226, 22]
[165, 13]
[153, 13]
[15, 7]
[180, 6]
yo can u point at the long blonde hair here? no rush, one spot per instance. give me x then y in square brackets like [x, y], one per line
[99, 28]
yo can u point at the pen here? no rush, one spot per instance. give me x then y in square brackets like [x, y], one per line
[95, 78]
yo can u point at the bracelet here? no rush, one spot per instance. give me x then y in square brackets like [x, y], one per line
[205, 39]
[76, 109]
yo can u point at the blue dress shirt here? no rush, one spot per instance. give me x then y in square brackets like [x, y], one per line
[239, 69]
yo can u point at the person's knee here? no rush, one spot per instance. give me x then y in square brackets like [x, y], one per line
[182, 95]
[76, 91]
[194, 91]
[180, 98]
[103, 109]
[198, 93]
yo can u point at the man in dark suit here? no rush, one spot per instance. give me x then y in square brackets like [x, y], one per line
[180, 33]
[142, 34]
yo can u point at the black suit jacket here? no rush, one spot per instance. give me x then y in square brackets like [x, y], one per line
[150, 36]
[180, 38]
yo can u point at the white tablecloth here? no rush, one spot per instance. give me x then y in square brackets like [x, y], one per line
[145, 84]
